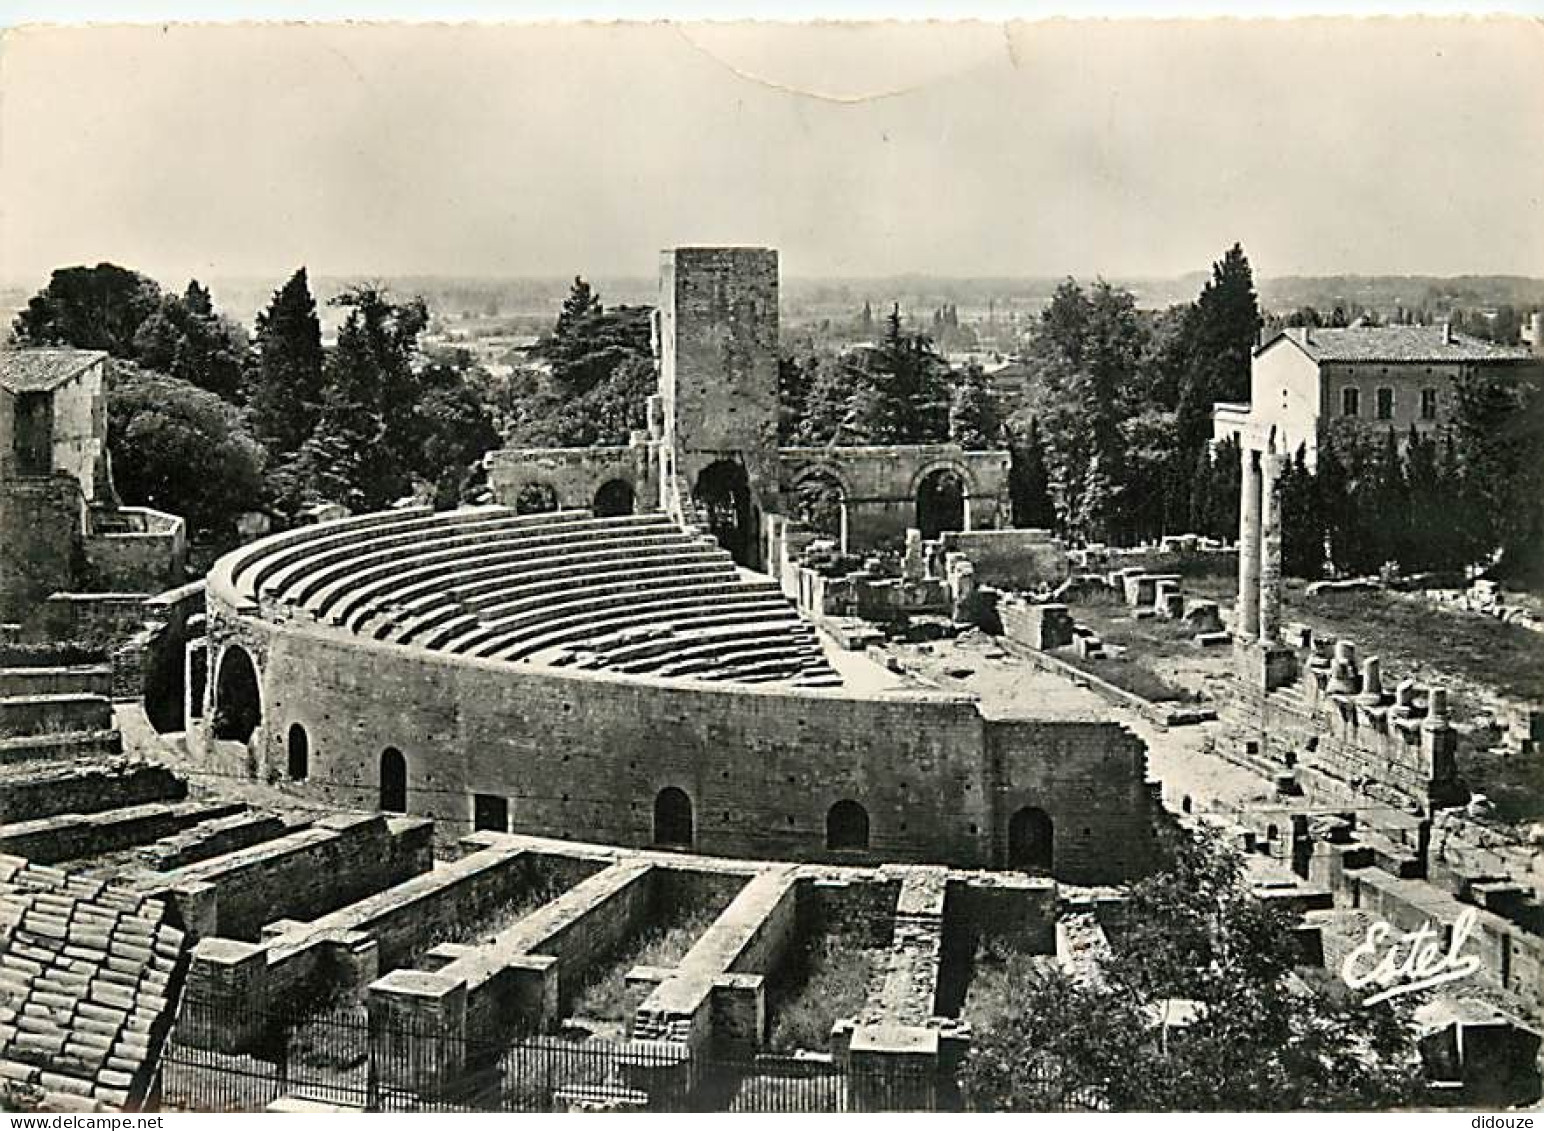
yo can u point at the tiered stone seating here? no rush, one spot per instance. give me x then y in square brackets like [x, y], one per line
[636, 594]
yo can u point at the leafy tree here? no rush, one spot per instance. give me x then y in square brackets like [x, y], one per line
[362, 450]
[1084, 354]
[1263, 1034]
[973, 418]
[1302, 525]
[1220, 340]
[182, 449]
[1028, 478]
[287, 392]
[830, 415]
[98, 308]
[452, 430]
[903, 394]
[602, 375]
[1498, 427]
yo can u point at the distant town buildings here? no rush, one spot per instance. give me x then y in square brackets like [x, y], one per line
[1304, 379]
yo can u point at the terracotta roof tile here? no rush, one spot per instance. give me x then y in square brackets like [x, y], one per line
[39, 370]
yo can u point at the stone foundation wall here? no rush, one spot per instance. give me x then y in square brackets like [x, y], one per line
[342, 858]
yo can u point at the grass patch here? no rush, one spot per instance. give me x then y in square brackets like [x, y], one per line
[1129, 675]
[829, 981]
[998, 973]
[606, 996]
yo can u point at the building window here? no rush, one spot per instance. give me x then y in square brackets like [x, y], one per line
[1428, 404]
[1350, 402]
[490, 813]
[299, 753]
[847, 827]
[1385, 403]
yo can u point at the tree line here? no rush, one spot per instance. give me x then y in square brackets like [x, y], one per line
[209, 423]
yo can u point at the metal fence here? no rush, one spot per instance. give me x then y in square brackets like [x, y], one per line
[339, 1059]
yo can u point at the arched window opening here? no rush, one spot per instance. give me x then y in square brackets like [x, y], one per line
[613, 498]
[238, 704]
[673, 818]
[940, 503]
[1030, 840]
[299, 753]
[820, 504]
[847, 827]
[536, 498]
[393, 781]
[723, 493]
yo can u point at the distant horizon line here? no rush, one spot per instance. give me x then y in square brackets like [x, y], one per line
[482, 277]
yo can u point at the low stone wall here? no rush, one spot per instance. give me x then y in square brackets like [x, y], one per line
[50, 790]
[135, 548]
[1011, 559]
[107, 619]
[1508, 956]
[342, 858]
[75, 746]
[716, 993]
[54, 714]
[70, 836]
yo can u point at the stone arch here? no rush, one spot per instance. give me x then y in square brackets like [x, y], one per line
[942, 491]
[818, 497]
[847, 826]
[299, 751]
[238, 702]
[673, 818]
[613, 498]
[536, 497]
[393, 781]
[723, 494]
[1031, 837]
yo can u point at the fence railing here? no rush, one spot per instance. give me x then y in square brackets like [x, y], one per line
[340, 1058]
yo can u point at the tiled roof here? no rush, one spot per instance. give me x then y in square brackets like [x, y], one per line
[1434, 344]
[39, 370]
[88, 979]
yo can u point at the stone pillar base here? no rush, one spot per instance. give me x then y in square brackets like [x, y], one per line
[1264, 667]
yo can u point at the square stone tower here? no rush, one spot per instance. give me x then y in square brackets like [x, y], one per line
[718, 326]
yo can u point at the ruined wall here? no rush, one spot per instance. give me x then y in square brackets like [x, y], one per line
[135, 549]
[880, 484]
[40, 541]
[1011, 559]
[1090, 777]
[718, 358]
[574, 474]
[585, 755]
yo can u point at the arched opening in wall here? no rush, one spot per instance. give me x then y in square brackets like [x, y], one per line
[1029, 840]
[673, 818]
[536, 498]
[299, 753]
[614, 497]
[238, 706]
[820, 504]
[847, 827]
[940, 502]
[393, 781]
[723, 494]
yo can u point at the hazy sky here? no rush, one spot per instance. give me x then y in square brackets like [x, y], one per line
[1385, 146]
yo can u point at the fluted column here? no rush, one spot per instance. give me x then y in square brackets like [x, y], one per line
[1246, 617]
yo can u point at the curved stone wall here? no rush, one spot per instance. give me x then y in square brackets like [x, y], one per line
[584, 755]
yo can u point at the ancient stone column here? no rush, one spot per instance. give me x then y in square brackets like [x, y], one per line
[1247, 611]
[1270, 547]
[1372, 682]
[1343, 679]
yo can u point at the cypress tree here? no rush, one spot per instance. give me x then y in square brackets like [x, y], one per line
[287, 399]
